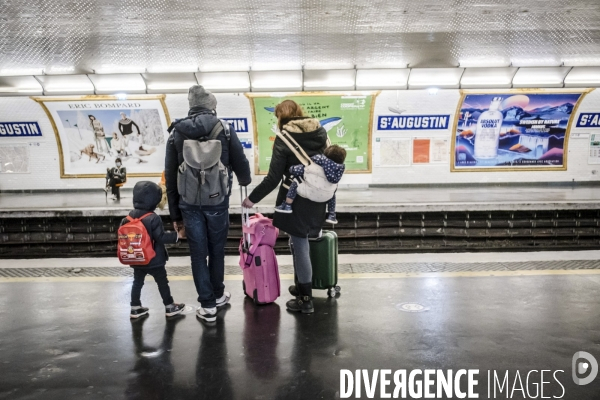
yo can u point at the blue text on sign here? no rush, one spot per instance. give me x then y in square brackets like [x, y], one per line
[412, 122]
[239, 124]
[19, 129]
[588, 120]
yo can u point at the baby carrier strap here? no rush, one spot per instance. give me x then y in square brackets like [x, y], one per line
[298, 151]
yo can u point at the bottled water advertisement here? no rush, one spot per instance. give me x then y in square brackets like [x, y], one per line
[514, 130]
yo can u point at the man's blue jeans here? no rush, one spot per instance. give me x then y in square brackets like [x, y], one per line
[207, 235]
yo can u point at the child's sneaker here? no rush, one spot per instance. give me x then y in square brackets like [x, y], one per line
[331, 219]
[174, 309]
[284, 208]
[223, 299]
[137, 312]
[207, 314]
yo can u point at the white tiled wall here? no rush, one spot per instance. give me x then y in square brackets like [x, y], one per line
[45, 168]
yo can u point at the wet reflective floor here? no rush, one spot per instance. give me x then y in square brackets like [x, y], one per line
[74, 340]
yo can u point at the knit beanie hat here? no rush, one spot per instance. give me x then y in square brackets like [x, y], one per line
[200, 97]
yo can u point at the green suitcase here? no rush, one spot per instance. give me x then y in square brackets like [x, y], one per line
[324, 260]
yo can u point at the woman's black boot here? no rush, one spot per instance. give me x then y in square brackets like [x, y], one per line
[293, 289]
[303, 302]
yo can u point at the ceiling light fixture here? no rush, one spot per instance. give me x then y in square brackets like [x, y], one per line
[161, 69]
[20, 85]
[475, 78]
[120, 69]
[536, 62]
[481, 62]
[373, 79]
[66, 84]
[443, 78]
[21, 71]
[117, 83]
[339, 79]
[583, 77]
[540, 77]
[224, 81]
[169, 83]
[265, 81]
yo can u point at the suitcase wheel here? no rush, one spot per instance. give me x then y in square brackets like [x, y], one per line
[338, 289]
[331, 292]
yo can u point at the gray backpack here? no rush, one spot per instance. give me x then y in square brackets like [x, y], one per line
[202, 179]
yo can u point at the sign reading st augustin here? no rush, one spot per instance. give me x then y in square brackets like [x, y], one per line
[20, 129]
[588, 120]
[239, 124]
[412, 122]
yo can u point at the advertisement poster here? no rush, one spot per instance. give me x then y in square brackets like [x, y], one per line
[514, 130]
[439, 151]
[346, 118]
[92, 131]
[421, 151]
[594, 157]
[391, 152]
[14, 159]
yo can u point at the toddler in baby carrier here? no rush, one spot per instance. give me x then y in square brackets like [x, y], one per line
[317, 181]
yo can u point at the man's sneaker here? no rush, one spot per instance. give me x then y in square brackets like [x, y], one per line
[207, 314]
[137, 312]
[221, 301]
[331, 219]
[284, 208]
[174, 309]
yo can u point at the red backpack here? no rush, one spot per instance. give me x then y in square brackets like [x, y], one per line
[135, 246]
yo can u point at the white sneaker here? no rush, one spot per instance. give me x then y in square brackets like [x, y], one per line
[223, 299]
[207, 314]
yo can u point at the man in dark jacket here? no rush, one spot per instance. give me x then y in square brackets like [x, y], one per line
[206, 227]
[146, 196]
[115, 178]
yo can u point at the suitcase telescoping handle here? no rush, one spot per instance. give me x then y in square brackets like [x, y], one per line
[245, 217]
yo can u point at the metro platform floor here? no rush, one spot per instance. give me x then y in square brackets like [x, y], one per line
[374, 199]
[66, 338]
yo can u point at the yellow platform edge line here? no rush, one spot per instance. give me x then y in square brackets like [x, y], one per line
[463, 274]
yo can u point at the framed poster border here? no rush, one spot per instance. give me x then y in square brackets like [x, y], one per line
[41, 100]
[464, 93]
[373, 93]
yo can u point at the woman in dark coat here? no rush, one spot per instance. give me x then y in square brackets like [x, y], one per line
[308, 216]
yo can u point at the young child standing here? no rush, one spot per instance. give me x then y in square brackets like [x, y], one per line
[332, 162]
[146, 196]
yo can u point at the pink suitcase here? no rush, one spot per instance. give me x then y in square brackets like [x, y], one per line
[257, 258]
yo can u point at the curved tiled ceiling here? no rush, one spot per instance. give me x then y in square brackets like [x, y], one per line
[169, 35]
